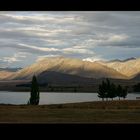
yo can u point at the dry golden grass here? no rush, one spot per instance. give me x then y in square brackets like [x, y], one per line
[90, 112]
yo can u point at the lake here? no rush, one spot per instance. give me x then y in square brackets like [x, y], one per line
[53, 97]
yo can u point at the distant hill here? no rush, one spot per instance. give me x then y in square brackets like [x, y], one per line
[7, 72]
[68, 66]
[10, 69]
[128, 67]
[125, 60]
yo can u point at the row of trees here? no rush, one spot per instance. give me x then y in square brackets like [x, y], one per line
[106, 90]
[110, 90]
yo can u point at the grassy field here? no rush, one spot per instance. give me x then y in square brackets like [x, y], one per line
[89, 112]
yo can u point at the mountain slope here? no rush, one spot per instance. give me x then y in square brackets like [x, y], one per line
[129, 67]
[68, 66]
[136, 77]
[61, 78]
[5, 74]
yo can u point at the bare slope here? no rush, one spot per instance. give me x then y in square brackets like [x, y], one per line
[128, 68]
[7, 72]
[4, 74]
[68, 66]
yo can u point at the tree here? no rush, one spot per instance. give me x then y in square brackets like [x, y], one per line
[102, 90]
[112, 91]
[136, 87]
[108, 88]
[34, 98]
[119, 91]
[124, 93]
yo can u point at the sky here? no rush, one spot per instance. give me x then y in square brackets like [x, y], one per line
[29, 36]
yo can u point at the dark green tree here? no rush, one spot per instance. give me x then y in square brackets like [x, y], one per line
[124, 93]
[34, 96]
[119, 91]
[136, 87]
[112, 91]
[102, 90]
[108, 84]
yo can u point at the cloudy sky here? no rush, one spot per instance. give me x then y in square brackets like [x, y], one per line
[26, 37]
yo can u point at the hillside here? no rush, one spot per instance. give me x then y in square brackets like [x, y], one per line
[68, 66]
[129, 67]
[61, 78]
[5, 74]
[136, 77]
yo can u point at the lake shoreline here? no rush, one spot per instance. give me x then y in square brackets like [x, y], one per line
[18, 98]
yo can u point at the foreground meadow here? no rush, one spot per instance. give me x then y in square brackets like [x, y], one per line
[88, 112]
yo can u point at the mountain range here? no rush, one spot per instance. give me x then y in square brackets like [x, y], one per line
[128, 67]
[67, 66]
[76, 68]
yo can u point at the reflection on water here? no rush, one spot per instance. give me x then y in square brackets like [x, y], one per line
[53, 98]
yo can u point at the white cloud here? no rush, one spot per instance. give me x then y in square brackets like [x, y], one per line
[55, 18]
[104, 40]
[64, 50]
[28, 17]
[39, 58]
[79, 47]
[15, 58]
[38, 48]
[10, 59]
[45, 32]
[117, 38]
[74, 50]
[54, 41]
[93, 59]
[20, 55]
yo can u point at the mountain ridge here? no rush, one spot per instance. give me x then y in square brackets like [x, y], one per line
[129, 67]
[67, 66]
[124, 60]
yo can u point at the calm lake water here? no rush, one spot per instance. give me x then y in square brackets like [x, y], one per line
[53, 98]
